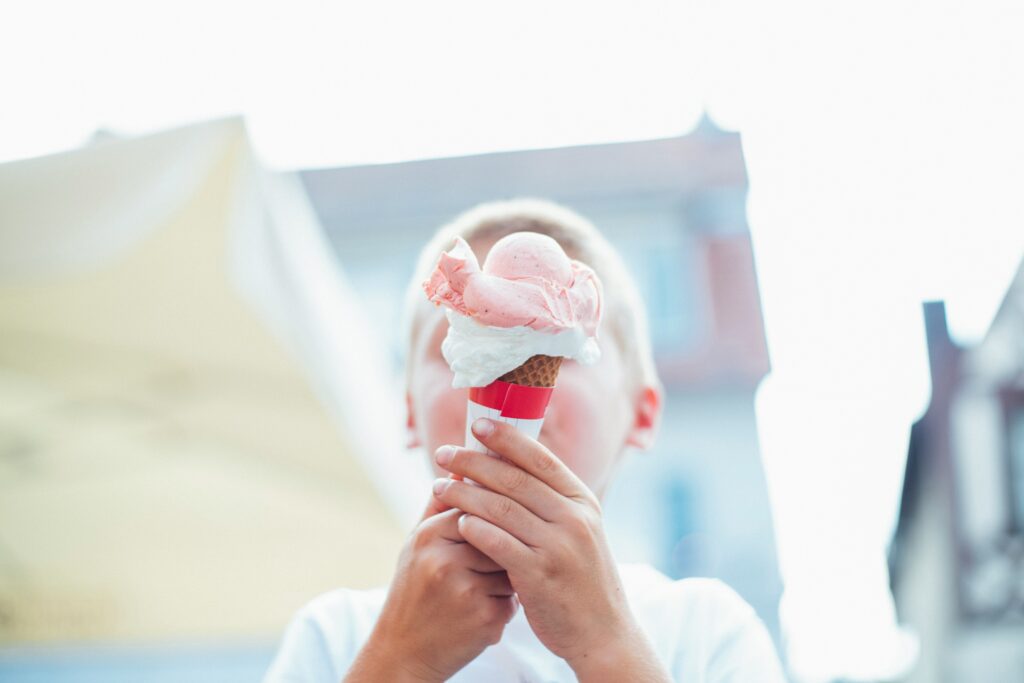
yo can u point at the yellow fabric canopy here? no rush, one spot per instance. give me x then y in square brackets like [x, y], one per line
[166, 470]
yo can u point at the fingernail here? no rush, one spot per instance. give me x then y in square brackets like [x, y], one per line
[444, 455]
[483, 427]
[440, 485]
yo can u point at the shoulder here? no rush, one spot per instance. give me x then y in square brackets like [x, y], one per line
[344, 607]
[702, 622]
[324, 637]
[712, 600]
[703, 595]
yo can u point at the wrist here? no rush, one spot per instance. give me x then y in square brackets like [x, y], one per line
[381, 660]
[627, 656]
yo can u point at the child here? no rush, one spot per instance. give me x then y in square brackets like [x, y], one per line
[513, 580]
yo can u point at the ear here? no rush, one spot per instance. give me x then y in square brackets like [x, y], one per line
[412, 434]
[646, 418]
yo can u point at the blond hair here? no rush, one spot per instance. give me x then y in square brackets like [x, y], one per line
[624, 315]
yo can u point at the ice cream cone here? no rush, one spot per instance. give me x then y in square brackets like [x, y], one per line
[537, 371]
[529, 300]
[519, 398]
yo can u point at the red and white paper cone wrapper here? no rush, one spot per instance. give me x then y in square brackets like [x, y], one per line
[520, 406]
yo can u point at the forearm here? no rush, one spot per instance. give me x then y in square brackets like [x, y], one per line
[630, 659]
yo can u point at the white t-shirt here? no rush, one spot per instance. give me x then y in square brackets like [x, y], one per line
[701, 630]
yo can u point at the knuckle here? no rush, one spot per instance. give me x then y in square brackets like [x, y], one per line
[497, 545]
[457, 459]
[463, 458]
[451, 492]
[438, 566]
[514, 478]
[578, 525]
[585, 523]
[543, 461]
[502, 507]
[465, 590]
[443, 570]
[422, 537]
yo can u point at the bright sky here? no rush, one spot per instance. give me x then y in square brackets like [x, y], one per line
[325, 84]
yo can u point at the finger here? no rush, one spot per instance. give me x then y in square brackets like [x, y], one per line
[496, 508]
[471, 558]
[434, 506]
[502, 477]
[510, 604]
[444, 525]
[496, 584]
[496, 543]
[527, 453]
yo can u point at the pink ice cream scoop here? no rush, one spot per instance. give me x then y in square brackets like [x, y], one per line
[527, 280]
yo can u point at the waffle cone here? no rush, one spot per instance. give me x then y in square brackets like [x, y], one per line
[536, 371]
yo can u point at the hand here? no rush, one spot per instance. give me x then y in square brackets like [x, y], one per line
[542, 524]
[447, 603]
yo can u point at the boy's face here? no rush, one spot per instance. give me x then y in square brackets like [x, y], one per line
[591, 418]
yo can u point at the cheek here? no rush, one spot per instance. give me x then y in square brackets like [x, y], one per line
[446, 418]
[440, 409]
[583, 426]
